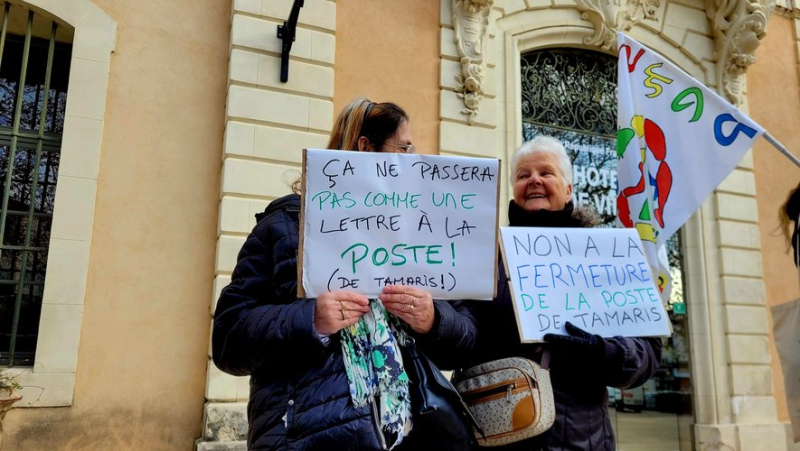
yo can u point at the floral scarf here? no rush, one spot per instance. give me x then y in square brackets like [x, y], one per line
[375, 369]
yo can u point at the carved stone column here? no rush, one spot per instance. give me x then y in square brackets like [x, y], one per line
[739, 26]
[471, 21]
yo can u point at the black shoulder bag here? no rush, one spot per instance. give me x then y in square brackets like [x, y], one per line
[441, 419]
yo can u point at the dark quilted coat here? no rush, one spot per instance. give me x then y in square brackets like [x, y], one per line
[579, 387]
[299, 393]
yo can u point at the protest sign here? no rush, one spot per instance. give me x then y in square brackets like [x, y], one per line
[377, 219]
[597, 279]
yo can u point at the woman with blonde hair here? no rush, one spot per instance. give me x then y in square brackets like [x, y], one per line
[326, 373]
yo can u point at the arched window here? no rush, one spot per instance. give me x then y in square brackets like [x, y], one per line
[571, 94]
[34, 70]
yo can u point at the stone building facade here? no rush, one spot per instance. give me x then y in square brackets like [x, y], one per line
[178, 130]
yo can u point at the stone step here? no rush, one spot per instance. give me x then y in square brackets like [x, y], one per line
[224, 427]
[221, 446]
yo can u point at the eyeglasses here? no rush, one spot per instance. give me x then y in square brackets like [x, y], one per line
[406, 148]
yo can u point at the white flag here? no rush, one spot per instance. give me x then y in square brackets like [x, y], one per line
[676, 141]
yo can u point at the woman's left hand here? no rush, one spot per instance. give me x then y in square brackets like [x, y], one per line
[579, 344]
[411, 305]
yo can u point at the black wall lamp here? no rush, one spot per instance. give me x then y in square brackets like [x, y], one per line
[287, 32]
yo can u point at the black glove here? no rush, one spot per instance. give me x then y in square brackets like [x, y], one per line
[581, 345]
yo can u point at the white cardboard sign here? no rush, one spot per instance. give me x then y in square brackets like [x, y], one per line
[376, 219]
[597, 279]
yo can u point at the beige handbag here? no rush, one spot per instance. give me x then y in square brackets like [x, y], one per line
[510, 398]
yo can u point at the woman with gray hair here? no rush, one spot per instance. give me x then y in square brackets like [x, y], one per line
[581, 364]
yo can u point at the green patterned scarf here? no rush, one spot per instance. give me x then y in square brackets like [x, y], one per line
[375, 369]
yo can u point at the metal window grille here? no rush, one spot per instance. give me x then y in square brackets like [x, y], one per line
[570, 89]
[35, 56]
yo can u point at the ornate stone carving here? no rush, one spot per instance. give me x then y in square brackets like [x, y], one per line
[610, 16]
[739, 26]
[635, 11]
[471, 21]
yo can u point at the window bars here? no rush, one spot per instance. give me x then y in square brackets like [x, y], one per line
[570, 89]
[34, 70]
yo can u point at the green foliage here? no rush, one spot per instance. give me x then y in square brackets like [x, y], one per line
[8, 382]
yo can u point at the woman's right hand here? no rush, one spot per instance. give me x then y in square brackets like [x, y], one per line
[336, 310]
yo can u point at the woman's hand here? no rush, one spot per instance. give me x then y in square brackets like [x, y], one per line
[411, 305]
[579, 345]
[336, 310]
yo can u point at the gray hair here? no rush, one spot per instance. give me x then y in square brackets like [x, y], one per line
[544, 144]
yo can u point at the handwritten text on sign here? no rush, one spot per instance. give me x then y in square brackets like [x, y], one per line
[377, 219]
[597, 279]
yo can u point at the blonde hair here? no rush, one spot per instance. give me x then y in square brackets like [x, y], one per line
[363, 117]
[347, 128]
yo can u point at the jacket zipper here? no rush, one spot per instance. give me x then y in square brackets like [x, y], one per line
[377, 421]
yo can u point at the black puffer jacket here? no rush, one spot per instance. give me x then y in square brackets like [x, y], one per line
[299, 392]
[579, 388]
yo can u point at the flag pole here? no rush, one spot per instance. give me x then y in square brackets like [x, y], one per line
[782, 149]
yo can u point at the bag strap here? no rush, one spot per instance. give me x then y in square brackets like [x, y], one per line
[456, 376]
[545, 362]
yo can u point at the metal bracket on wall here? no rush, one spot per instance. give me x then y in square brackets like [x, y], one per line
[286, 32]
